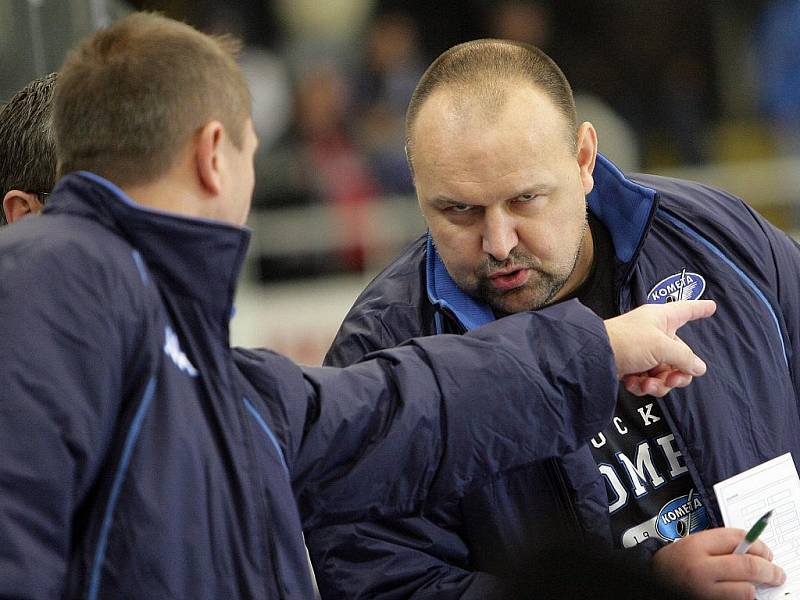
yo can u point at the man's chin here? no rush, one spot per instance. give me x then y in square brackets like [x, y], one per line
[515, 301]
[521, 299]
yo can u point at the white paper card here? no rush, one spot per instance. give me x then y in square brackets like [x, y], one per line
[744, 498]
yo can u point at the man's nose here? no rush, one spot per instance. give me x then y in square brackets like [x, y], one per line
[499, 235]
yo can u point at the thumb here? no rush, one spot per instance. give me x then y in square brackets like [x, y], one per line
[677, 314]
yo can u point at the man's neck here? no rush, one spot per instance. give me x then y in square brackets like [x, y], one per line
[167, 194]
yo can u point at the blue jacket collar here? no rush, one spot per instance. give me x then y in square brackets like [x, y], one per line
[622, 205]
[197, 258]
[444, 292]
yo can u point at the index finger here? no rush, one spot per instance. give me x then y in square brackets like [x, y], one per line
[723, 540]
[681, 312]
[747, 567]
[759, 548]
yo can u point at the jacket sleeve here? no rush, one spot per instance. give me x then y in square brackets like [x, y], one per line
[429, 421]
[417, 427]
[60, 379]
[390, 558]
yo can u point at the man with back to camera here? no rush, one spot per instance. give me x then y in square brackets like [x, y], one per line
[504, 173]
[27, 150]
[141, 456]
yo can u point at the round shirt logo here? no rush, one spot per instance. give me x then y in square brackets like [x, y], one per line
[681, 516]
[680, 286]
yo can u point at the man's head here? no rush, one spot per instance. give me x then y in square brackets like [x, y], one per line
[27, 150]
[150, 100]
[502, 170]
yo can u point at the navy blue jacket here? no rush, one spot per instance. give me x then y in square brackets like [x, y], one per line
[742, 412]
[143, 458]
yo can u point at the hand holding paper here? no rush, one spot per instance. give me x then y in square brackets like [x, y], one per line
[775, 486]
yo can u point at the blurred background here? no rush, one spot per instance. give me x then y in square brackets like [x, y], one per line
[699, 89]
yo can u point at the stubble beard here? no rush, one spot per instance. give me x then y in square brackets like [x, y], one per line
[538, 292]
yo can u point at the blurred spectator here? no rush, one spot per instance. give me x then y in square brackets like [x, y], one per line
[657, 71]
[531, 22]
[617, 139]
[341, 172]
[392, 65]
[778, 55]
[322, 31]
[522, 21]
[318, 160]
[331, 19]
[684, 92]
[441, 24]
[270, 88]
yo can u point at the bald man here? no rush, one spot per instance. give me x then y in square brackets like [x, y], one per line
[523, 214]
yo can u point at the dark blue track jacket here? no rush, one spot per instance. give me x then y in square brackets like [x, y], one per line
[143, 458]
[742, 412]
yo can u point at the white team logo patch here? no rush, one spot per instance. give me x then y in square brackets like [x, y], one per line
[680, 286]
[172, 348]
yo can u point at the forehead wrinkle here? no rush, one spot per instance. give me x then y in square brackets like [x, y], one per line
[489, 162]
[487, 180]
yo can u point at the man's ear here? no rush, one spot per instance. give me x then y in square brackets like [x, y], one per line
[208, 156]
[18, 204]
[587, 154]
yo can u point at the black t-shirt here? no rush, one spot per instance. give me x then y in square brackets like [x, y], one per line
[649, 488]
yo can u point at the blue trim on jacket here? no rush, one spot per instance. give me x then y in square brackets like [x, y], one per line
[266, 429]
[741, 274]
[119, 477]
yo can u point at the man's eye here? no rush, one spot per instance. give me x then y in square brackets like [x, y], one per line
[530, 201]
[459, 208]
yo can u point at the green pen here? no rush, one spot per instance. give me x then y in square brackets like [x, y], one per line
[753, 534]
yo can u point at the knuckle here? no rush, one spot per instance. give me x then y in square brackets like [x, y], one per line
[751, 566]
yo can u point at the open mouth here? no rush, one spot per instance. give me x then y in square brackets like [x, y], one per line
[510, 279]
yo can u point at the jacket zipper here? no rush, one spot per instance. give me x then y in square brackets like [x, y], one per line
[564, 497]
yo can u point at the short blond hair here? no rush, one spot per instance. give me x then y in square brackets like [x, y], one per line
[129, 97]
